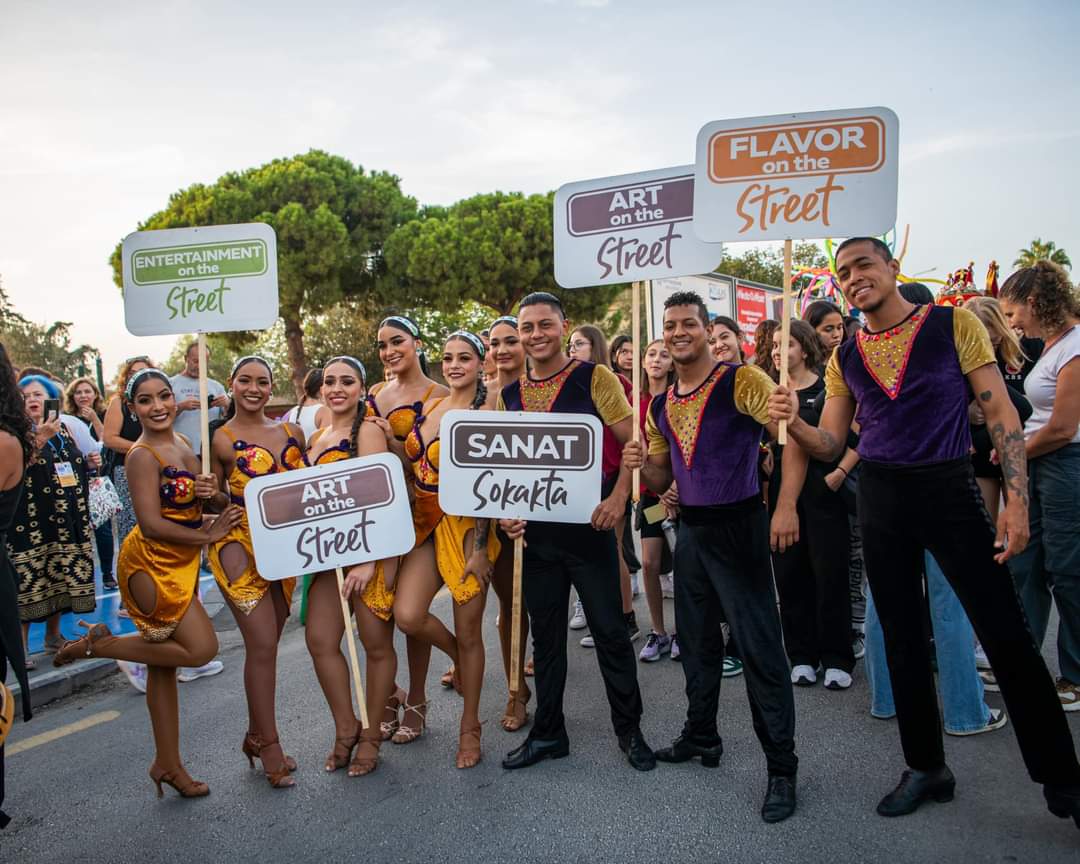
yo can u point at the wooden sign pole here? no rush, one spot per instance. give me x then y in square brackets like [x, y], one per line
[515, 618]
[354, 660]
[635, 341]
[785, 333]
[204, 407]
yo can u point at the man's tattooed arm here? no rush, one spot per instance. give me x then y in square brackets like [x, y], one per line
[1009, 444]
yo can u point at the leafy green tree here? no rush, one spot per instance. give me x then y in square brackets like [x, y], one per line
[1040, 251]
[47, 346]
[766, 265]
[331, 219]
[492, 248]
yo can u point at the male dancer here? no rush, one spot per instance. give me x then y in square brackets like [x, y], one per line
[585, 556]
[711, 418]
[908, 372]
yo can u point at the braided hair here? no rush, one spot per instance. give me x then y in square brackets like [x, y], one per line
[13, 417]
[358, 367]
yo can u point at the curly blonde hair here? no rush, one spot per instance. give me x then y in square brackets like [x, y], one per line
[1054, 297]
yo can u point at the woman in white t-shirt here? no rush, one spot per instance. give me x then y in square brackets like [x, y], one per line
[305, 415]
[1042, 302]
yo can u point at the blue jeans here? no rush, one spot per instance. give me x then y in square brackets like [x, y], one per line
[1050, 565]
[959, 684]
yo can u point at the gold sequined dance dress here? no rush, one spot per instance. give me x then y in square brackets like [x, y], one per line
[174, 567]
[428, 518]
[252, 460]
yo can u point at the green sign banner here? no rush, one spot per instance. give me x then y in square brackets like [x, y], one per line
[204, 261]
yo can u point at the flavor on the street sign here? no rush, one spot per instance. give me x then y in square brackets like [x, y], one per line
[629, 228]
[328, 516]
[180, 280]
[795, 176]
[521, 465]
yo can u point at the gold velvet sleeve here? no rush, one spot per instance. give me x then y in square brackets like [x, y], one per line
[609, 397]
[835, 385]
[973, 345]
[753, 387]
[654, 438]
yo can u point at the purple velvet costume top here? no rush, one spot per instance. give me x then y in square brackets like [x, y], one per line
[713, 434]
[910, 387]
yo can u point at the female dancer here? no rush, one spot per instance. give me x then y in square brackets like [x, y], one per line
[509, 356]
[460, 550]
[369, 587]
[251, 445]
[159, 571]
[394, 406]
[658, 368]
[725, 340]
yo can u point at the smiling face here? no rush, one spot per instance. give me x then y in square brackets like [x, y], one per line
[154, 404]
[251, 387]
[397, 350]
[34, 396]
[507, 349]
[658, 361]
[342, 388]
[865, 277]
[796, 355]
[685, 334]
[831, 330]
[1021, 316]
[460, 364]
[84, 395]
[542, 330]
[724, 344]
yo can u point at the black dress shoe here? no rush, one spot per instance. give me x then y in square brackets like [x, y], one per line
[1063, 801]
[779, 798]
[683, 749]
[914, 788]
[638, 753]
[536, 750]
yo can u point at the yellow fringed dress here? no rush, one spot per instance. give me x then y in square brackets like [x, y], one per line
[428, 519]
[377, 597]
[252, 461]
[173, 567]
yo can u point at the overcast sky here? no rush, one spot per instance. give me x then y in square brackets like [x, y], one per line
[107, 108]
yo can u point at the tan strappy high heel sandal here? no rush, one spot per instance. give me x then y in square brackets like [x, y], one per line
[83, 647]
[339, 759]
[468, 754]
[407, 734]
[180, 780]
[252, 748]
[387, 728]
[517, 710]
[366, 759]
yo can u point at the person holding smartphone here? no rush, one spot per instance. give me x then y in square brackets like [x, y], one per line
[185, 385]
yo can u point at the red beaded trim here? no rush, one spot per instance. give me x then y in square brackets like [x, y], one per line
[917, 319]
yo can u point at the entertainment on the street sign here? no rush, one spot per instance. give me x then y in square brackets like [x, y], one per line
[328, 516]
[520, 465]
[797, 176]
[200, 280]
[629, 228]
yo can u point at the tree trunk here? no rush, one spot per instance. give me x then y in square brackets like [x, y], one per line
[294, 340]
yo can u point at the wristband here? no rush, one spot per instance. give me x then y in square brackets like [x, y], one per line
[842, 468]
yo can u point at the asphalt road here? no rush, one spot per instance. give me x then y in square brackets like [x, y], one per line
[85, 796]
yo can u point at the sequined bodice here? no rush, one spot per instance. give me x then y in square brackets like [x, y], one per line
[335, 453]
[177, 494]
[401, 419]
[254, 460]
[424, 458]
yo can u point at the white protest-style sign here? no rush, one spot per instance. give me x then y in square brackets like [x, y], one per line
[328, 516]
[629, 228]
[520, 465]
[797, 176]
[200, 280]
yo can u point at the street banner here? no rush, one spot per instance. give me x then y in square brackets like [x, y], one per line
[329, 516]
[200, 280]
[797, 176]
[629, 228]
[520, 465]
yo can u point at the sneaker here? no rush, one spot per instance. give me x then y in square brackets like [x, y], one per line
[635, 588]
[858, 644]
[989, 680]
[732, 667]
[980, 657]
[135, 672]
[656, 646]
[631, 627]
[187, 674]
[667, 585]
[837, 679]
[1069, 694]
[587, 641]
[803, 676]
[676, 653]
[122, 613]
[577, 620]
[109, 583]
[998, 718]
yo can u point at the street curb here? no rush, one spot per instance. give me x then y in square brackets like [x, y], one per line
[58, 683]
